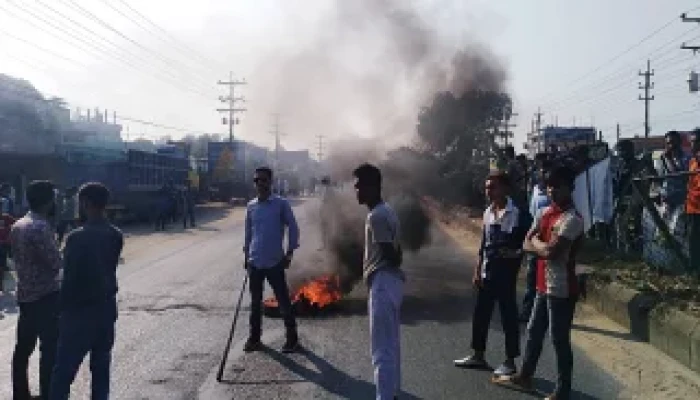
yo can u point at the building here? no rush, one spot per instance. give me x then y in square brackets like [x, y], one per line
[559, 136]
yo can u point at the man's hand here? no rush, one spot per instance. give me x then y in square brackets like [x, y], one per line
[477, 281]
[287, 260]
[528, 246]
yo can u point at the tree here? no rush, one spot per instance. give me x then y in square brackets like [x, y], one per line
[456, 133]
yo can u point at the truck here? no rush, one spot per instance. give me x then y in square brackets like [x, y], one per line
[134, 177]
[226, 178]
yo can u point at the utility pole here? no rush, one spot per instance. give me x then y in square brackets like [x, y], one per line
[231, 99]
[277, 134]
[320, 147]
[507, 115]
[685, 18]
[618, 133]
[648, 85]
[538, 124]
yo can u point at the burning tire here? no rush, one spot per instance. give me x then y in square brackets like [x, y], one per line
[314, 297]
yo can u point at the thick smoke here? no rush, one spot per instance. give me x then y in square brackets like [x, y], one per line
[361, 79]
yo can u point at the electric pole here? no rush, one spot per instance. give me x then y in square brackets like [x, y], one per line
[320, 147]
[648, 85]
[276, 133]
[507, 115]
[685, 18]
[538, 132]
[231, 99]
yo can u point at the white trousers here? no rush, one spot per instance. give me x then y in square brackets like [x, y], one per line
[385, 295]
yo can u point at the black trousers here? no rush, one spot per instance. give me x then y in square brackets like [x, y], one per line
[37, 320]
[278, 281]
[501, 289]
[4, 254]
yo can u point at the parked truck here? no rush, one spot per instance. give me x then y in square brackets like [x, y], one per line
[134, 177]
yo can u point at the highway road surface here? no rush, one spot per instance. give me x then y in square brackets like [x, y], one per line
[177, 291]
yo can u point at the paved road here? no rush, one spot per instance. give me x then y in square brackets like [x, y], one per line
[177, 292]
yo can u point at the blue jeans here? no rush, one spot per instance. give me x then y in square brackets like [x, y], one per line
[385, 297]
[82, 331]
[530, 285]
[557, 314]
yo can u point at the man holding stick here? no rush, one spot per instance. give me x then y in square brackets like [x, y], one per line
[266, 217]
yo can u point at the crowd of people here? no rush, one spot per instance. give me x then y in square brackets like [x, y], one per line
[67, 298]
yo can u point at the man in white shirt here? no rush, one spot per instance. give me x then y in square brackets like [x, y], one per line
[382, 273]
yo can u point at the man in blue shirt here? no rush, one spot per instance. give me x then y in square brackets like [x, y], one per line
[266, 217]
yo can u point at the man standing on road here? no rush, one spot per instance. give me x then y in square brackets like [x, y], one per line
[37, 262]
[188, 202]
[88, 297]
[6, 222]
[555, 239]
[496, 274]
[382, 272]
[692, 204]
[265, 259]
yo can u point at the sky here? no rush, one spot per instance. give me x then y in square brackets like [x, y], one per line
[340, 71]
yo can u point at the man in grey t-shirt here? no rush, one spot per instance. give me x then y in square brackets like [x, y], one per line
[382, 261]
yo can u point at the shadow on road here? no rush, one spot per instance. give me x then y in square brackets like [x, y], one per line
[330, 378]
[605, 332]
[547, 386]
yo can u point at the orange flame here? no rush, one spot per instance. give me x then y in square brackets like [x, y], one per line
[320, 291]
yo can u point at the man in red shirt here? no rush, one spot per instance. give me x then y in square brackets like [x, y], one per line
[692, 204]
[6, 222]
[555, 239]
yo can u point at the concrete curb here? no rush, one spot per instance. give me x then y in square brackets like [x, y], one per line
[650, 320]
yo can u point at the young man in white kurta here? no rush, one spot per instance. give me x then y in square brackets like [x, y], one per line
[382, 273]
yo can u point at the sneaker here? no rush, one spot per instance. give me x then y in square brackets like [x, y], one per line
[471, 362]
[517, 382]
[291, 346]
[252, 345]
[506, 369]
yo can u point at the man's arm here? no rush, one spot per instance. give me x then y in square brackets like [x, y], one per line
[292, 228]
[248, 233]
[47, 249]
[571, 229]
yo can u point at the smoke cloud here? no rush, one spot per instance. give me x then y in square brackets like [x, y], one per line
[361, 78]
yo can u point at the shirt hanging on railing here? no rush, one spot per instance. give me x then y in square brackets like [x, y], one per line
[601, 194]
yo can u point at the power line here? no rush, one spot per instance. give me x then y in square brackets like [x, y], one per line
[93, 49]
[188, 50]
[624, 52]
[168, 62]
[624, 71]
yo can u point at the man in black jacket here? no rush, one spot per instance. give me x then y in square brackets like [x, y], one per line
[88, 297]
